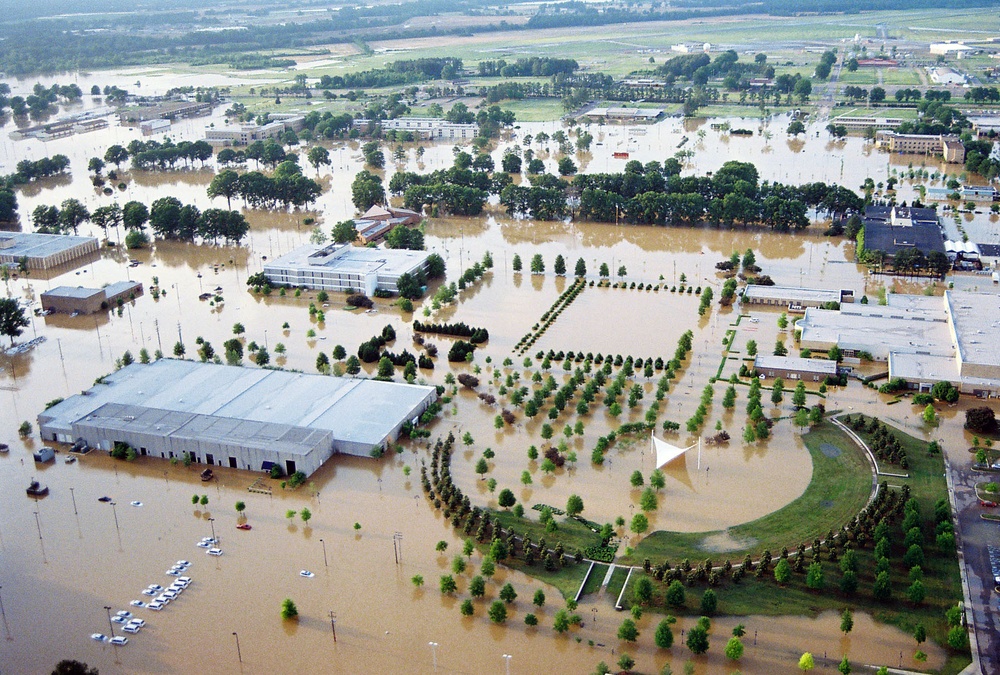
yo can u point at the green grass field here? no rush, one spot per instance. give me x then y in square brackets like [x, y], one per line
[839, 488]
[940, 574]
[593, 584]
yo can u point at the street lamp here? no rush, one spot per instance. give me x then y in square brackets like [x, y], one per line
[239, 654]
[211, 521]
[333, 624]
[434, 654]
[110, 625]
[73, 496]
[507, 658]
[324, 552]
[115, 512]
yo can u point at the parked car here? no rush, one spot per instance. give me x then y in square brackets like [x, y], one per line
[150, 592]
[125, 613]
[155, 587]
[131, 628]
[100, 637]
[214, 551]
[119, 641]
[138, 603]
[170, 595]
[987, 503]
[136, 622]
[182, 563]
[156, 606]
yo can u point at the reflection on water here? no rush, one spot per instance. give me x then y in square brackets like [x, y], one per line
[55, 586]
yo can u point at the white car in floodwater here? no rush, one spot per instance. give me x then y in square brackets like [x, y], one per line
[214, 551]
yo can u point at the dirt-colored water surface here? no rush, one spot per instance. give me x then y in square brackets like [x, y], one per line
[68, 556]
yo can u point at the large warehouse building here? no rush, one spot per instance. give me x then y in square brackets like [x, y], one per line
[924, 339]
[244, 418]
[44, 251]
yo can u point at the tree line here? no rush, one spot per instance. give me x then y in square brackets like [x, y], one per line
[476, 335]
[286, 187]
[404, 71]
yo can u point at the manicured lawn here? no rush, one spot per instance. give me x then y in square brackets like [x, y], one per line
[940, 573]
[618, 578]
[573, 535]
[567, 579]
[535, 109]
[839, 488]
[596, 579]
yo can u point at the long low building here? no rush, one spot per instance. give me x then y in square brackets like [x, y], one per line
[794, 368]
[794, 299]
[244, 418]
[924, 339]
[69, 299]
[44, 251]
[346, 268]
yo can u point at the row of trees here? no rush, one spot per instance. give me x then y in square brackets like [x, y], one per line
[286, 187]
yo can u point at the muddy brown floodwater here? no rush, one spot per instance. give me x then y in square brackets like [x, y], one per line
[67, 556]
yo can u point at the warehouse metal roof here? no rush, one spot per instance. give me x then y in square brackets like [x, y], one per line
[352, 410]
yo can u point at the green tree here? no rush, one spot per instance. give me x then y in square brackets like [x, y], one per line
[845, 666]
[799, 396]
[806, 662]
[466, 608]
[664, 636]
[539, 598]
[498, 612]
[458, 564]
[482, 467]
[777, 391]
[574, 505]
[344, 232]
[814, 576]
[506, 499]
[241, 506]
[537, 264]
[477, 587]
[648, 500]
[13, 319]
[448, 584]
[508, 594]
[627, 631]
[288, 609]
[675, 596]
[560, 265]
[636, 479]
[639, 524]
[709, 602]
[657, 480]
[697, 640]
[517, 265]
[417, 580]
[751, 348]
[734, 649]
[581, 268]
[782, 572]
[847, 621]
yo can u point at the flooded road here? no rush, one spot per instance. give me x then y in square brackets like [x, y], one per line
[63, 562]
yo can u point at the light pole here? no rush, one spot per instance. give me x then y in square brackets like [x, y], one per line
[239, 654]
[397, 546]
[38, 524]
[115, 512]
[507, 658]
[434, 654]
[211, 521]
[110, 625]
[333, 624]
[73, 497]
[324, 552]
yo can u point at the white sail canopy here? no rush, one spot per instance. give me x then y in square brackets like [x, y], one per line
[666, 452]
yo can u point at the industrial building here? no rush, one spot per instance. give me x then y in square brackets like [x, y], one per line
[43, 251]
[245, 134]
[948, 147]
[624, 114]
[243, 418]
[343, 267]
[865, 122]
[794, 368]
[894, 228]
[377, 221]
[924, 339]
[430, 128]
[794, 299]
[70, 299]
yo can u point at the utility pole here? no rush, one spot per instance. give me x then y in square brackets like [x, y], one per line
[324, 552]
[333, 624]
[239, 654]
[397, 546]
[73, 496]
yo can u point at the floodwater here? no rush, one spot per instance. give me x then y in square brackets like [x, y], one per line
[62, 568]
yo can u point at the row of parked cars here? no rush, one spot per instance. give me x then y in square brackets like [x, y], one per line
[161, 598]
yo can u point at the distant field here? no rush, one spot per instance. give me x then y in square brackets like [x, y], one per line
[535, 109]
[902, 113]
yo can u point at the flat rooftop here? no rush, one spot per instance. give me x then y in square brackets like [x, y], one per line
[977, 325]
[78, 292]
[353, 410]
[355, 260]
[34, 245]
[877, 331]
[796, 363]
[784, 292]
